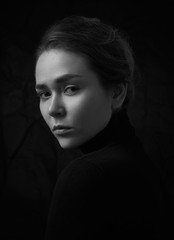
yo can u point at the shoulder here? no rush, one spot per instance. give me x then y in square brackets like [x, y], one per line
[105, 165]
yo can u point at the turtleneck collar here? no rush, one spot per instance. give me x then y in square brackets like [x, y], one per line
[118, 130]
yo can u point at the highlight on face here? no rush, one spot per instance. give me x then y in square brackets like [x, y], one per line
[73, 102]
[84, 72]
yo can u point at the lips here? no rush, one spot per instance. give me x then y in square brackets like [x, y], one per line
[61, 130]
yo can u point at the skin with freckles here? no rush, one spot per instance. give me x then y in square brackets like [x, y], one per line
[71, 95]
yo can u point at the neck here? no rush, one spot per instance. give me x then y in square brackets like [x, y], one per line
[118, 130]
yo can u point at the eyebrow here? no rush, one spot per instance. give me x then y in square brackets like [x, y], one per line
[59, 80]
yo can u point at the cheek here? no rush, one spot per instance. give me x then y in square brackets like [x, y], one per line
[90, 109]
[80, 106]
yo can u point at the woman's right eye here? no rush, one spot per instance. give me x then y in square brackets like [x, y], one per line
[43, 95]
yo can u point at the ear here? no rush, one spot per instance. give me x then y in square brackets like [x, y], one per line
[118, 96]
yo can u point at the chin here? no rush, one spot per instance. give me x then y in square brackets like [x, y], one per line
[68, 144]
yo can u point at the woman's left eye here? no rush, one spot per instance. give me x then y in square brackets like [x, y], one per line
[71, 90]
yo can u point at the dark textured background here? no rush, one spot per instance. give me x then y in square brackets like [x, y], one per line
[29, 160]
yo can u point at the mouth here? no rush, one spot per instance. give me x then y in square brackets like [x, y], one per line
[61, 130]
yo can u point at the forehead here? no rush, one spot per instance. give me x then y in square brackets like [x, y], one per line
[54, 63]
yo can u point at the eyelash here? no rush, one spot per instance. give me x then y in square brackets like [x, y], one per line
[73, 90]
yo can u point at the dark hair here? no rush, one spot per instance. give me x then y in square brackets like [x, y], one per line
[109, 54]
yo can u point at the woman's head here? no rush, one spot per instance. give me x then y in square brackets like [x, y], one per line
[84, 73]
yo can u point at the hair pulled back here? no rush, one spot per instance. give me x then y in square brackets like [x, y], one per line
[108, 53]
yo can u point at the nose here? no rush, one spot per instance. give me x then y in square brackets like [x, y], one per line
[56, 107]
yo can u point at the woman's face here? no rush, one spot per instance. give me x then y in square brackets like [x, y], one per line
[72, 100]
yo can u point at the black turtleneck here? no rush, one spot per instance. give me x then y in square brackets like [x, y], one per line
[118, 130]
[113, 193]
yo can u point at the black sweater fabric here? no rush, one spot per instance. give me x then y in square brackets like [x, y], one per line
[113, 191]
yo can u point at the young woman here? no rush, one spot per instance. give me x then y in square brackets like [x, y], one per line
[84, 78]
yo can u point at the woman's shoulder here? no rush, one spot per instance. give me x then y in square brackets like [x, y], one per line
[111, 161]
